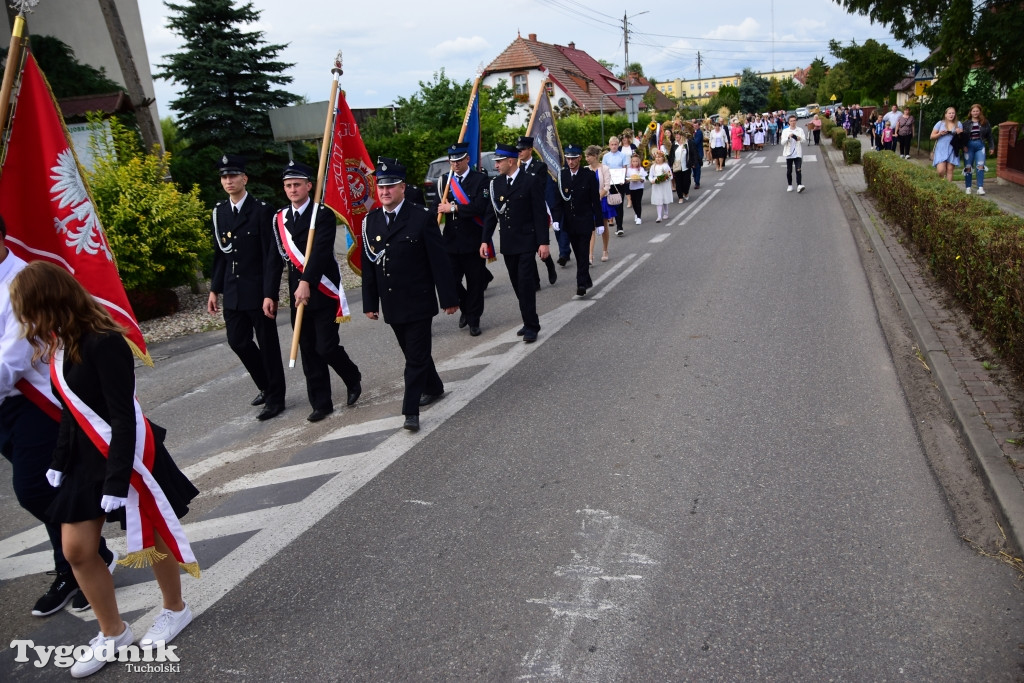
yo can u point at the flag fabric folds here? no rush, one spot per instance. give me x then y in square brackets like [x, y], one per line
[545, 135]
[350, 190]
[472, 127]
[47, 207]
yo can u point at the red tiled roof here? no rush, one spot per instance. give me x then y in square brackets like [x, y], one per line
[574, 71]
[662, 102]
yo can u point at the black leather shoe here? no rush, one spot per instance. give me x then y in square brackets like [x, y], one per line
[412, 423]
[427, 399]
[259, 400]
[552, 273]
[530, 336]
[475, 331]
[581, 291]
[521, 331]
[462, 321]
[319, 414]
[563, 261]
[270, 411]
[354, 392]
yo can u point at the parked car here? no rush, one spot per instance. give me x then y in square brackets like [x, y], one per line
[440, 165]
[802, 113]
[813, 109]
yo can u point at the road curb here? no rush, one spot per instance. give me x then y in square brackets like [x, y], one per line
[981, 444]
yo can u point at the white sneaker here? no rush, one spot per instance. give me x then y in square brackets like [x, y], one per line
[789, 189]
[638, 221]
[967, 190]
[167, 625]
[799, 188]
[981, 190]
[101, 649]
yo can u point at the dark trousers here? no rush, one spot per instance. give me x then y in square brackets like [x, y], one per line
[581, 248]
[261, 358]
[682, 179]
[564, 246]
[817, 136]
[636, 197]
[904, 141]
[855, 127]
[320, 349]
[696, 175]
[420, 374]
[798, 163]
[27, 439]
[522, 271]
[471, 296]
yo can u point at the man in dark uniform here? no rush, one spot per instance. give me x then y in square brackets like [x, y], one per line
[247, 272]
[463, 211]
[538, 171]
[404, 263]
[316, 284]
[521, 216]
[579, 212]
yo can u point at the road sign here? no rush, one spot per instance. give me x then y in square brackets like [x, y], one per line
[833, 98]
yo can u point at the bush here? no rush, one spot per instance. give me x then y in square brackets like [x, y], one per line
[157, 233]
[974, 249]
[851, 152]
[838, 137]
[827, 124]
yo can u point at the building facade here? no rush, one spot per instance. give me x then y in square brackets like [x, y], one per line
[703, 89]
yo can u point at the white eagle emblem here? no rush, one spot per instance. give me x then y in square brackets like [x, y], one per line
[81, 225]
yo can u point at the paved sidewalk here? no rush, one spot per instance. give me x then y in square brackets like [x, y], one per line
[986, 401]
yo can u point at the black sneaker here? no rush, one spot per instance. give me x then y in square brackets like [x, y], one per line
[64, 588]
[80, 603]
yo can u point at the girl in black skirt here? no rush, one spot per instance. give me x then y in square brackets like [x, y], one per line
[109, 463]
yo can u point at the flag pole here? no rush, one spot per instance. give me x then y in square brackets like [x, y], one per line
[11, 68]
[325, 148]
[462, 137]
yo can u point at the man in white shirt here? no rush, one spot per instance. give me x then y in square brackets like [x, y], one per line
[792, 149]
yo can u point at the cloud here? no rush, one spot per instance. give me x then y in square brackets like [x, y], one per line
[747, 29]
[460, 47]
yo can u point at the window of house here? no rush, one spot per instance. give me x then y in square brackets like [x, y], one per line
[520, 84]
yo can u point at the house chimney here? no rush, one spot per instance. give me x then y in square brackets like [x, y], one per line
[572, 46]
[533, 37]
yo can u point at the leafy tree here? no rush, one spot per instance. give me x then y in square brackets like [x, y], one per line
[634, 67]
[816, 74]
[440, 103]
[872, 67]
[835, 83]
[157, 233]
[728, 96]
[753, 92]
[960, 33]
[229, 80]
[67, 76]
[776, 100]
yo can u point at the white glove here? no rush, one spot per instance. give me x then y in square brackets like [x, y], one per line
[55, 478]
[554, 224]
[600, 230]
[111, 503]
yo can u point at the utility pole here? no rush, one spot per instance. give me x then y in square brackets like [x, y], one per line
[132, 82]
[625, 43]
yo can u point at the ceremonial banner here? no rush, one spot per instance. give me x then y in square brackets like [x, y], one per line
[47, 207]
[350, 190]
[471, 128]
[545, 135]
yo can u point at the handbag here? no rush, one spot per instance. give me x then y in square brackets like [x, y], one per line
[614, 198]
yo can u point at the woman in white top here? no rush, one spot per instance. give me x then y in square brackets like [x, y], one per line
[593, 155]
[635, 176]
[719, 141]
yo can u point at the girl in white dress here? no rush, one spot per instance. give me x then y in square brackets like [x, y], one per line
[661, 185]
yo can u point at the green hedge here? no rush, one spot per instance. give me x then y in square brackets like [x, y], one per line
[838, 137]
[851, 152]
[972, 247]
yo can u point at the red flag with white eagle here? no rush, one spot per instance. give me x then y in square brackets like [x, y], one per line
[47, 207]
[350, 190]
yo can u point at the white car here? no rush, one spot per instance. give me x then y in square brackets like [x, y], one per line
[802, 112]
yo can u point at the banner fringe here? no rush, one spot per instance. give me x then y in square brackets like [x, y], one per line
[146, 557]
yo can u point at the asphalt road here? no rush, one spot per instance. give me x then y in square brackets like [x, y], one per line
[706, 470]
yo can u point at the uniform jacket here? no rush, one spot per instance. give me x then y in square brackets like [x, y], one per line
[321, 261]
[250, 271]
[412, 266]
[540, 172]
[523, 221]
[581, 212]
[463, 231]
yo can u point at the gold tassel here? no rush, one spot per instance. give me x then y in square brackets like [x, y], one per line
[343, 319]
[142, 558]
[144, 357]
[192, 568]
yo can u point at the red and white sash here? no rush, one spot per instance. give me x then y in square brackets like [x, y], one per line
[31, 386]
[298, 258]
[148, 509]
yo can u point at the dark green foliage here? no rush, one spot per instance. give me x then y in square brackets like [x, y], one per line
[838, 136]
[851, 152]
[753, 92]
[229, 79]
[873, 68]
[67, 76]
[973, 248]
[728, 96]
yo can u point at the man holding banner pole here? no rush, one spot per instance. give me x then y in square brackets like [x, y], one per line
[463, 216]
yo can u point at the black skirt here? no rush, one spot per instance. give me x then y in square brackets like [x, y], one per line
[79, 495]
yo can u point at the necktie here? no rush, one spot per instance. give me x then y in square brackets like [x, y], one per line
[390, 216]
[235, 209]
[522, 165]
[291, 216]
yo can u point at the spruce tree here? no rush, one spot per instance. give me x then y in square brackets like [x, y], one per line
[229, 79]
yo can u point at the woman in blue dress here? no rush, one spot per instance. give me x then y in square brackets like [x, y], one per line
[944, 157]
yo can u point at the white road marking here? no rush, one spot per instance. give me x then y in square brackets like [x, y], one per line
[660, 238]
[622, 276]
[700, 205]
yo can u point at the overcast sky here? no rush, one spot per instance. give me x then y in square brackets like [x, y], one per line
[389, 47]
